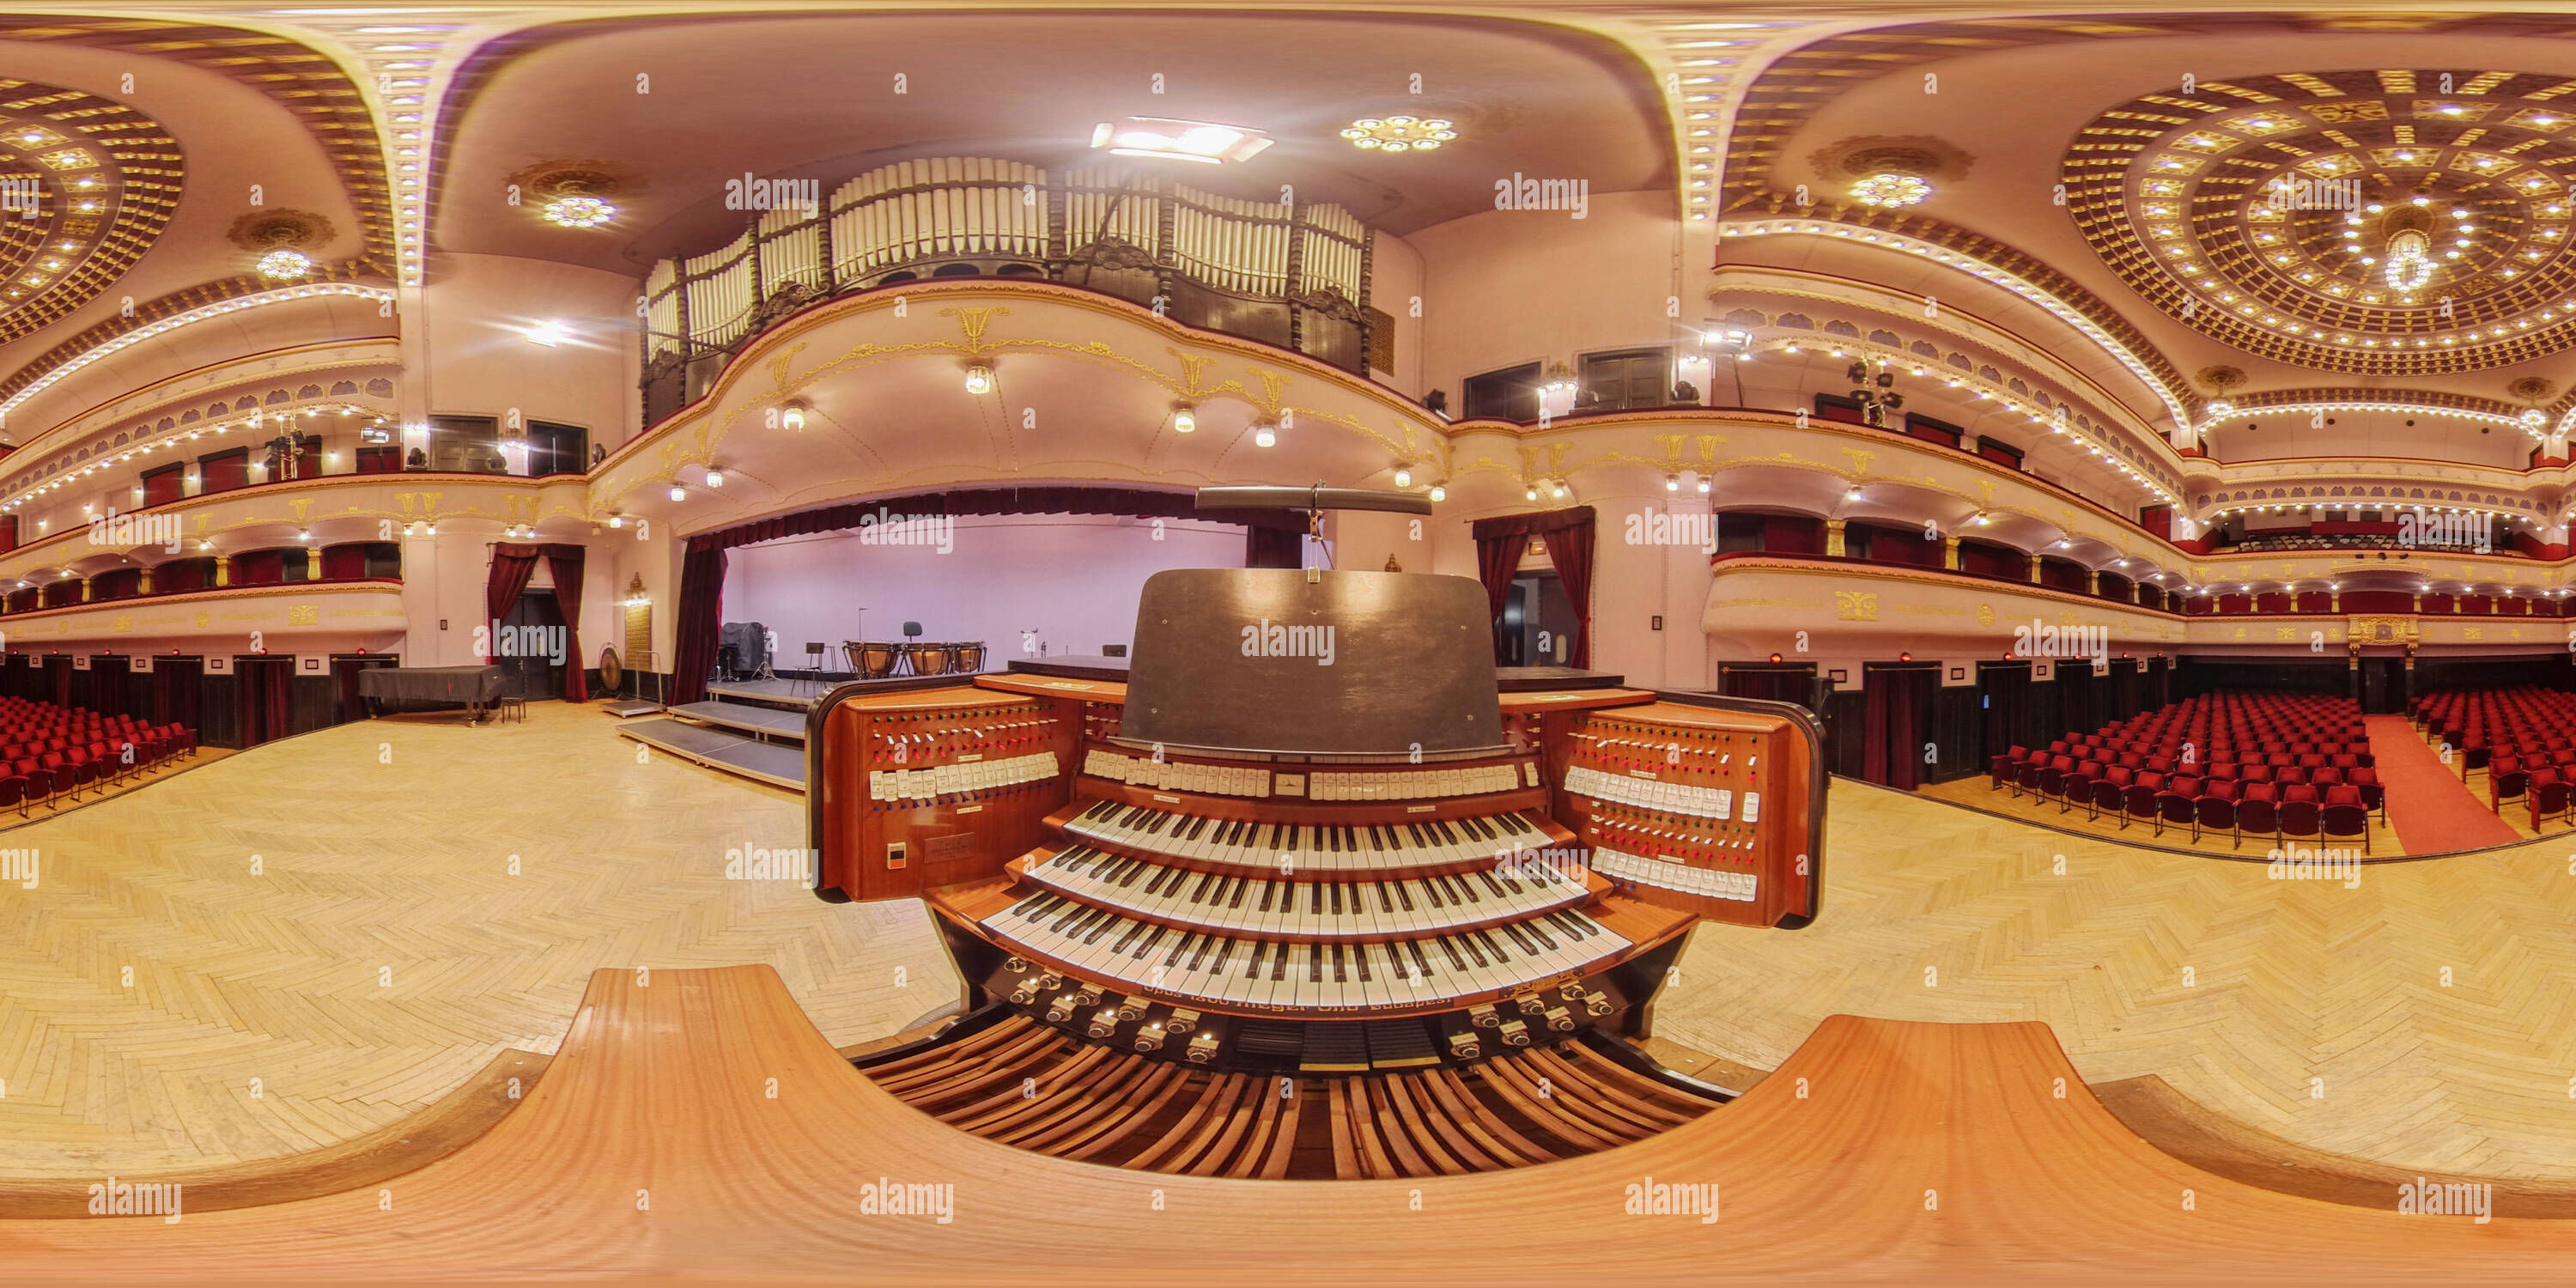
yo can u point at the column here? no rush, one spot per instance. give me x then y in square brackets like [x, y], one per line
[2137, 592]
[312, 564]
[147, 583]
[2092, 581]
[1950, 553]
[2334, 604]
[223, 570]
[84, 585]
[2034, 570]
[2419, 607]
[1834, 538]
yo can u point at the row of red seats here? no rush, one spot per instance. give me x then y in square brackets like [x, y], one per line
[50, 751]
[2288, 765]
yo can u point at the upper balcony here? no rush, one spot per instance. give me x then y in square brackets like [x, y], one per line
[1292, 276]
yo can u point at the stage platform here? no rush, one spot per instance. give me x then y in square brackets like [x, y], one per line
[772, 721]
[717, 749]
[798, 694]
[623, 707]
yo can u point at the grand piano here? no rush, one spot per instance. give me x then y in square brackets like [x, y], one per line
[1302, 891]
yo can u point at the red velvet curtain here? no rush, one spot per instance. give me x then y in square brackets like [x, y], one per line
[511, 568]
[563, 563]
[1894, 698]
[1570, 549]
[1268, 547]
[1497, 558]
[702, 577]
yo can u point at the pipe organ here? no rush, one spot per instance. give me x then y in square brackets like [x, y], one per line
[1359, 875]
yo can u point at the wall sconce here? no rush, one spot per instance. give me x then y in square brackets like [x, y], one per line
[1404, 476]
[1439, 492]
[1185, 419]
[1265, 436]
[679, 493]
[792, 417]
[715, 477]
[617, 520]
[979, 379]
[548, 333]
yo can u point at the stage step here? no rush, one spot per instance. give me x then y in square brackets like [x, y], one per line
[735, 715]
[630, 707]
[717, 749]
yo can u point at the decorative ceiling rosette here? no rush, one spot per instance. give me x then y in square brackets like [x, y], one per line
[2396, 222]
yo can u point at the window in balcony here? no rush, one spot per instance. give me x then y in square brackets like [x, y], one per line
[557, 449]
[466, 445]
[1508, 394]
[1625, 379]
[380, 460]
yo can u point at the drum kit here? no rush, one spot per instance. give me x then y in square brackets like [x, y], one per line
[875, 660]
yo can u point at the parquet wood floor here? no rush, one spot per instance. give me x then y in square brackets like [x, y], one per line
[2424, 1018]
[383, 953]
[699, 1130]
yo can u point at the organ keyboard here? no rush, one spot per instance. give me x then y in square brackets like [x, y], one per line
[1529, 866]
[1393, 846]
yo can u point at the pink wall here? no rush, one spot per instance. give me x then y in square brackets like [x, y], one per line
[1507, 287]
[479, 310]
[1075, 578]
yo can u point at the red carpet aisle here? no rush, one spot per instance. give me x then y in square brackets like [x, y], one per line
[2427, 804]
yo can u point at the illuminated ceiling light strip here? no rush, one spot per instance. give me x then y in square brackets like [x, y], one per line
[201, 313]
[2462, 413]
[1977, 268]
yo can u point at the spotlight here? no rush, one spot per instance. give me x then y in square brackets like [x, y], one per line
[1265, 437]
[1530, 493]
[679, 493]
[1672, 482]
[715, 477]
[1185, 421]
[617, 520]
[548, 333]
[1558, 492]
[1404, 476]
[1703, 485]
[1439, 493]
[793, 418]
[979, 379]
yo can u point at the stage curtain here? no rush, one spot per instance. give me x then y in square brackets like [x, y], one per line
[1137, 502]
[1497, 558]
[564, 564]
[1893, 753]
[512, 566]
[1570, 549]
[1267, 547]
[693, 637]
[1771, 684]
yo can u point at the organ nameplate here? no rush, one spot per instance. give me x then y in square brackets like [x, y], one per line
[1168, 800]
[1421, 809]
[1288, 784]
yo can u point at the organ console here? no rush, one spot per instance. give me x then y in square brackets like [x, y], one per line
[1357, 854]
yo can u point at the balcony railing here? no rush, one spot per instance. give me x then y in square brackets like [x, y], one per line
[1292, 276]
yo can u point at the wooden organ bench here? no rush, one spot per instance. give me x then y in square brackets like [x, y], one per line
[1231, 913]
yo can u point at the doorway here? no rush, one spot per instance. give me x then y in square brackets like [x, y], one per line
[1538, 622]
[2383, 686]
[533, 672]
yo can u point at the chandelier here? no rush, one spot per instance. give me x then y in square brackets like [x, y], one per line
[2410, 261]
